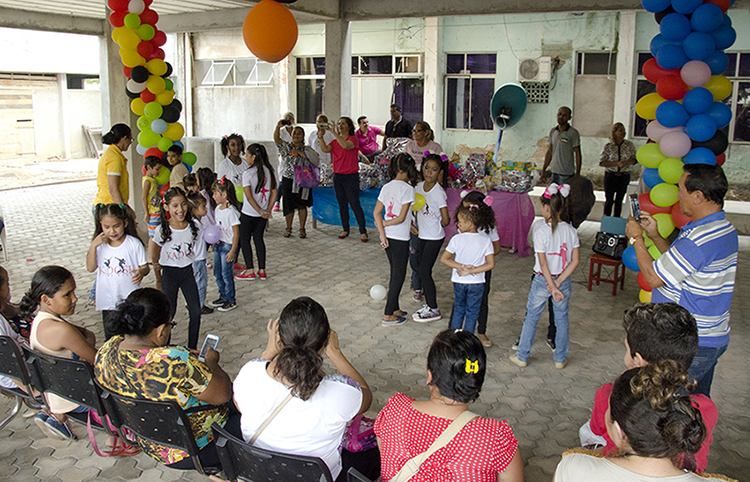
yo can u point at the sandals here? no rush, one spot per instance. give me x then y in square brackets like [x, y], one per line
[363, 237]
[344, 234]
[302, 233]
[288, 232]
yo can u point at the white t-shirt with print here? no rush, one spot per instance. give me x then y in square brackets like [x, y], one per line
[393, 196]
[6, 330]
[115, 268]
[179, 251]
[201, 247]
[250, 179]
[225, 219]
[469, 249]
[558, 246]
[429, 218]
[314, 427]
[232, 171]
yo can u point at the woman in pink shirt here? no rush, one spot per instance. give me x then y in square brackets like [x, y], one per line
[424, 140]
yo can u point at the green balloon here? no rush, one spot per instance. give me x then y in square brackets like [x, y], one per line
[664, 194]
[650, 155]
[670, 170]
[239, 191]
[145, 31]
[647, 241]
[153, 110]
[164, 144]
[189, 158]
[132, 21]
[148, 138]
[664, 224]
[654, 252]
[168, 84]
[143, 123]
[163, 176]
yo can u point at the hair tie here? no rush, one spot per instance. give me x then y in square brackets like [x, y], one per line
[551, 189]
[426, 153]
[223, 180]
[464, 193]
[488, 200]
[224, 137]
[122, 206]
[472, 366]
[163, 201]
[444, 158]
[473, 207]
[564, 190]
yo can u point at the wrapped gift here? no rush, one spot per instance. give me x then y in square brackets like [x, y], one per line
[326, 175]
[474, 169]
[367, 175]
[517, 181]
[456, 175]
[517, 166]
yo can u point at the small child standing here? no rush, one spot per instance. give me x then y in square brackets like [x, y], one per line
[179, 171]
[396, 198]
[206, 179]
[227, 217]
[198, 208]
[472, 255]
[190, 181]
[151, 197]
[557, 249]
[118, 257]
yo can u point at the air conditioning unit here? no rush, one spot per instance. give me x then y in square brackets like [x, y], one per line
[537, 69]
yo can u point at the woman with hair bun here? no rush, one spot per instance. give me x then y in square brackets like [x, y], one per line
[483, 449]
[313, 408]
[654, 424]
[112, 174]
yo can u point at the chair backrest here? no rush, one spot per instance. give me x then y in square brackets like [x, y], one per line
[354, 475]
[13, 365]
[242, 461]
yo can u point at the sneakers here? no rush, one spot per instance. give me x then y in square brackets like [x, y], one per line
[276, 208]
[206, 310]
[426, 315]
[485, 341]
[262, 276]
[217, 303]
[59, 430]
[515, 345]
[551, 344]
[243, 276]
[417, 296]
[400, 320]
[227, 306]
[40, 420]
[513, 358]
[562, 365]
[238, 266]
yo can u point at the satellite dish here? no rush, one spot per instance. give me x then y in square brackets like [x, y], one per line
[507, 107]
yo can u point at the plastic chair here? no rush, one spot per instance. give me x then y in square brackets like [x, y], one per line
[354, 475]
[164, 423]
[13, 365]
[242, 461]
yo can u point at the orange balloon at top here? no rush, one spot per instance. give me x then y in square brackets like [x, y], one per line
[270, 31]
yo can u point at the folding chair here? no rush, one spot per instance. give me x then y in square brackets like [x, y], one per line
[13, 365]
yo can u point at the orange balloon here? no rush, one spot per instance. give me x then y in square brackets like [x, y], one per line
[270, 31]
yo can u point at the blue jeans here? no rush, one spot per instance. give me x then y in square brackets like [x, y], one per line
[703, 366]
[201, 278]
[466, 302]
[416, 282]
[538, 296]
[224, 272]
[560, 179]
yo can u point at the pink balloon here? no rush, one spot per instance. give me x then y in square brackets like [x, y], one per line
[695, 73]
[656, 131]
[675, 144]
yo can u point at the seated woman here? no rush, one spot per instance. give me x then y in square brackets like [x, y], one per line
[653, 423]
[483, 450]
[140, 363]
[318, 406]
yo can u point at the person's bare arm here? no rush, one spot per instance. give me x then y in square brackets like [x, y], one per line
[514, 471]
[344, 143]
[57, 336]
[235, 243]
[145, 200]
[345, 368]
[557, 295]
[577, 152]
[377, 215]
[547, 161]
[276, 135]
[445, 218]
[219, 389]
[447, 259]
[574, 260]
[113, 184]
[489, 263]
[248, 192]
[91, 255]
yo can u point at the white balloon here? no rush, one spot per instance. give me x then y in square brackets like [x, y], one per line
[136, 6]
[377, 292]
[135, 87]
[140, 149]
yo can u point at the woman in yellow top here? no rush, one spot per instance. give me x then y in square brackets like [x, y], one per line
[112, 175]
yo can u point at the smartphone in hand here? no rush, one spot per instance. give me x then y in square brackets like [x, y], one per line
[211, 341]
[635, 207]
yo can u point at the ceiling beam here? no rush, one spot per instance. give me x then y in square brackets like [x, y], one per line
[50, 22]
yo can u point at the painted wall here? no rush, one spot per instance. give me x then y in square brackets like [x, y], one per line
[48, 52]
[84, 107]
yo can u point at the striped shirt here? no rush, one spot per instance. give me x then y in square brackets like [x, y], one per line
[698, 272]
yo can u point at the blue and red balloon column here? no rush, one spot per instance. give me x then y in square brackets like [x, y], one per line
[149, 87]
[686, 112]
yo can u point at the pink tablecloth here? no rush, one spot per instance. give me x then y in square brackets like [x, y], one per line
[514, 214]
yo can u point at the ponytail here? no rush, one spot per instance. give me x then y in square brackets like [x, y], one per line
[116, 134]
[47, 281]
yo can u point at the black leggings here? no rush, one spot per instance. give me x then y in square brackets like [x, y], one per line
[174, 279]
[253, 227]
[398, 257]
[484, 307]
[428, 252]
[346, 188]
[615, 188]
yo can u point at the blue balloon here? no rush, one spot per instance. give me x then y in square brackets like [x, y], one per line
[180, 144]
[707, 17]
[671, 56]
[189, 167]
[700, 128]
[630, 259]
[698, 45]
[651, 177]
[700, 155]
[720, 113]
[698, 100]
[686, 7]
[159, 126]
[727, 20]
[655, 6]
[717, 61]
[675, 26]
[658, 42]
[671, 113]
[724, 36]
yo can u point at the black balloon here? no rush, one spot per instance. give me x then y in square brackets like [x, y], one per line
[717, 144]
[177, 105]
[170, 114]
[169, 70]
[660, 15]
[132, 95]
[139, 74]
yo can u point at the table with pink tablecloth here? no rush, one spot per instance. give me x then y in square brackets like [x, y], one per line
[514, 213]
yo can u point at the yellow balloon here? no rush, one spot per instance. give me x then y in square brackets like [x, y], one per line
[116, 34]
[646, 106]
[654, 252]
[137, 105]
[129, 39]
[155, 84]
[419, 202]
[157, 67]
[165, 98]
[644, 296]
[720, 87]
[647, 241]
[131, 58]
[174, 131]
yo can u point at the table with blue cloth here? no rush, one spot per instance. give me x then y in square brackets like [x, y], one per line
[514, 213]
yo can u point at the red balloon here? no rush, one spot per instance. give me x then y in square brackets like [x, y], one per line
[160, 38]
[143, 170]
[149, 16]
[126, 70]
[117, 19]
[653, 72]
[118, 5]
[154, 151]
[163, 189]
[722, 4]
[678, 218]
[148, 2]
[158, 54]
[721, 159]
[148, 96]
[145, 49]
[642, 282]
[649, 207]
[671, 87]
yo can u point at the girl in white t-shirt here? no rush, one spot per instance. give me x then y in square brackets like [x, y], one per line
[260, 190]
[198, 207]
[227, 215]
[472, 254]
[431, 219]
[396, 198]
[117, 255]
[233, 165]
[172, 251]
[556, 246]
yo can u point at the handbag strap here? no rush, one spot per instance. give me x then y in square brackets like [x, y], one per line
[270, 418]
[411, 467]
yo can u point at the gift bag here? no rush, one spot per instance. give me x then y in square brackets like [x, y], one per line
[307, 175]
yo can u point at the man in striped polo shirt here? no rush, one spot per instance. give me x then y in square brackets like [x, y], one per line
[697, 271]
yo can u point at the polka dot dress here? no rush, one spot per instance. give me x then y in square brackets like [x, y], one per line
[483, 448]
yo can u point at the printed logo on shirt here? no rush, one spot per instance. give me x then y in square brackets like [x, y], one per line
[563, 254]
[115, 266]
[180, 251]
[389, 211]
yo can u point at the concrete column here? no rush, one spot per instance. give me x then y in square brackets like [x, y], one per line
[624, 101]
[183, 70]
[62, 90]
[433, 75]
[337, 100]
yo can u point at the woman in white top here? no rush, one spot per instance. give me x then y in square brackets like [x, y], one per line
[424, 140]
[313, 421]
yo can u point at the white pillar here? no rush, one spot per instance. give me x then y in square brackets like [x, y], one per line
[337, 100]
[624, 102]
[62, 92]
[433, 75]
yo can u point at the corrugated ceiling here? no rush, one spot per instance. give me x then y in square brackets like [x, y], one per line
[97, 9]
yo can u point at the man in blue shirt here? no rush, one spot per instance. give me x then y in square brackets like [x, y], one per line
[697, 271]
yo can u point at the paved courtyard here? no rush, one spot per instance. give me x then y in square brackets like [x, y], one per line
[544, 406]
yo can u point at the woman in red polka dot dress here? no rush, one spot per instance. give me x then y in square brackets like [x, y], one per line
[484, 450]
